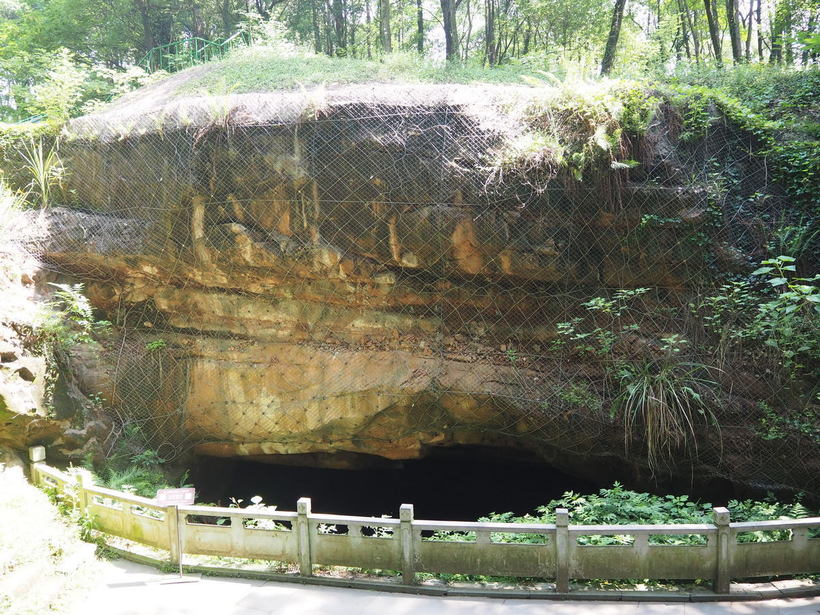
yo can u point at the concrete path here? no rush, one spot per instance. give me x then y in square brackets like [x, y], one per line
[133, 589]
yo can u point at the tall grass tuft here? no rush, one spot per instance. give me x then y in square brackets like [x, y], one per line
[665, 398]
[45, 168]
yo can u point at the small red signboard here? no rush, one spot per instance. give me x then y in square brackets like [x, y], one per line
[181, 497]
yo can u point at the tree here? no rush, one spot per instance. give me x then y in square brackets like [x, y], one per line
[714, 29]
[384, 26]
[448, 15]
[489, 32]
[420, 27]
[612, 39]
[734, 30]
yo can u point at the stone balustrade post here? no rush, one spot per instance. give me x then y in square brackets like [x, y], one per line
[408, 551]
[561, 550]
[84, 480]
[36, 454]
[303, 537]
[723, 572]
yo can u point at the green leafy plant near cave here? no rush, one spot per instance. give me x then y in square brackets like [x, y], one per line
[618, 505]
[599, 340]
[774, 310]
[133, 465]
[790, 320]
[70, 317]
[799, 240]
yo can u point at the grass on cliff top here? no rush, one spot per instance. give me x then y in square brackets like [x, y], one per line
[44, 566]
[266, 68]
[277, 66]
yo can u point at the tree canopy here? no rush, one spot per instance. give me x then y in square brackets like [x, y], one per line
[103, 37]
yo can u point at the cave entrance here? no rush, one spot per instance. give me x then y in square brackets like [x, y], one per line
[458, 483]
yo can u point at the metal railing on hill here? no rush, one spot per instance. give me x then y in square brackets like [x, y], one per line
[188, 52]
[31, 119]
[411, 546]
[179, 55]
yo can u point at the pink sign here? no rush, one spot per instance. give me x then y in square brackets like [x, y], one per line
[176, 496]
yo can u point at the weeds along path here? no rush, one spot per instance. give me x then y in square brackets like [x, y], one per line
[44, 566]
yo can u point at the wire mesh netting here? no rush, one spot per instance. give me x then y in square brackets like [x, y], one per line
[390, 269]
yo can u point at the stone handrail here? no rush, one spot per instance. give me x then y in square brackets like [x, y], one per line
[405, 544]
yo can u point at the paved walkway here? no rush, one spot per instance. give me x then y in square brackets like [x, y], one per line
[129, 588]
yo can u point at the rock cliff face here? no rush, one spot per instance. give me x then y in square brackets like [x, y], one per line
[368, 275]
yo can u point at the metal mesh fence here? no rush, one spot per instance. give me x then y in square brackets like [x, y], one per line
[387, 271]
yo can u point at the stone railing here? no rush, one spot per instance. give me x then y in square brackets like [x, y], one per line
[409, 545]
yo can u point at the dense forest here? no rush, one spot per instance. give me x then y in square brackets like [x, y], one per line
[48, 47]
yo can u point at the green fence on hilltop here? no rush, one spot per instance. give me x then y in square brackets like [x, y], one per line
[188, 52]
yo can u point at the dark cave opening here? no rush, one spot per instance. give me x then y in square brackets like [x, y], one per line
[458, 483]
[454, 483]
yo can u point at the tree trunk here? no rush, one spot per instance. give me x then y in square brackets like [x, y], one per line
[419, 27]
[468, 35]
[759, 32]
[693, 30]
[197, 24]
[806, 55]
[489, 32]
[148, 40]
[714, 29]
[785, 35]
[448, 13]
[227, 18]
[317, 32]
[734, 30]
[368, 19]
[612, 39]
[384, 26]
[683, 26]
[327, 23]
[340, 27]
[776, 54]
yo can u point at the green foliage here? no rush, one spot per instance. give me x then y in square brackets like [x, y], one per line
[136, 479]
[696, 116]
[777, 424]
[70, 319]
[666, 398]
[789, 321]
[154, 345]
[783, 315]
[134, 466]
[729, 312]
[57, 96]
[773, 105]
[66, 503]
[620, 506]
[798, 240]
[598, 340]
[266, 68]
[639, 109]
[773, 90]
[579, 394]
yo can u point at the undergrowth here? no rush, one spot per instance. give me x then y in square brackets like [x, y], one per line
[133, 466]
[44, 566]
[620, 506]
